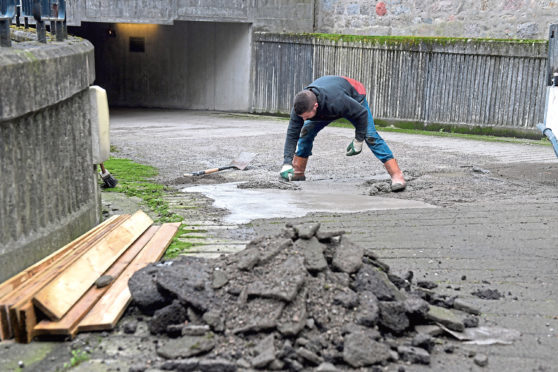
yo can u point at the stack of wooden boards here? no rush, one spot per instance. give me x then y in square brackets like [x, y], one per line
[62, 289]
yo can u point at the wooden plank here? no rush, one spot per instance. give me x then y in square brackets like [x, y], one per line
[108, 310]
[20, 318]
[19, 279]
[70, 321]
[21, 313]
[27, 319]
[58, 296]
[27, 290]
[5, 328]
[15, 324]
[15, 281]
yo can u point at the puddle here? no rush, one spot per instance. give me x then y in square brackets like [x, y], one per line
[246, 205]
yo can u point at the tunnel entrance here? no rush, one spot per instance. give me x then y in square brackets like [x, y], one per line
[187, 65]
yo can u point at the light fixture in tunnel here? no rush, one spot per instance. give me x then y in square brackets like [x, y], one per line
[110, 32]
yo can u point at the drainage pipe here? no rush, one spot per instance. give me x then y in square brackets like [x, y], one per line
[548, 132]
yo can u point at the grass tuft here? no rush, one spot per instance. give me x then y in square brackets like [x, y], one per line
[136, 180]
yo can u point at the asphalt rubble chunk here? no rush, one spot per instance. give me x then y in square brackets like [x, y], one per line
[298, 300]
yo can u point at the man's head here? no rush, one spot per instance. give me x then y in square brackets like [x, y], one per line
[305, 104]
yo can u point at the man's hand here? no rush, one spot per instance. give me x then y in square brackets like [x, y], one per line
[287, 172]
[354, 148]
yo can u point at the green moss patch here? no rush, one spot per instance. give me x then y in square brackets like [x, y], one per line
[413, 40]
[136, 180]
[30, 356]
[488, 134]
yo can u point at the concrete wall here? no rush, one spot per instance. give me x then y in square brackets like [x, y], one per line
[507, 19]
[426, 82]
[504, 19]
[48, 186]
[190, 65]
[265, 15]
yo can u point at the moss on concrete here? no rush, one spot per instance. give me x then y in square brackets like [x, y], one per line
[476, 130]
[30, 355]
[489, 134]
[413, 40]
[135, 181]
[28, 54]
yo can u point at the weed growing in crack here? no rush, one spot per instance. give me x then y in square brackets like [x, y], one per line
[78, 356]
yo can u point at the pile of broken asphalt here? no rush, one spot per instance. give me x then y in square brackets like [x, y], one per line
[298, 300]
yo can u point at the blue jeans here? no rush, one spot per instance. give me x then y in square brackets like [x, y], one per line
[375, 143]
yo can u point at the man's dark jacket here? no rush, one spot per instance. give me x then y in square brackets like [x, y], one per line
[338, 97]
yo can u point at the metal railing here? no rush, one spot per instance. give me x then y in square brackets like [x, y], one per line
[41, 11]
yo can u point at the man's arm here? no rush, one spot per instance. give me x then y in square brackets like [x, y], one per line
[357, 115]
[293, 134]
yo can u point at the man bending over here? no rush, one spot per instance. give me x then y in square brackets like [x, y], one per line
[323, 101]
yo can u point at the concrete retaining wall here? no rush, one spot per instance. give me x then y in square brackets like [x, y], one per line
[48, 186]
[430, 81]
[265, 15]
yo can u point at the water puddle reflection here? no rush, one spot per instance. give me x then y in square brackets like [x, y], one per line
[246, 205]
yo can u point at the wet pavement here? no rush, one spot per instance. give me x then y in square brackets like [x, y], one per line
[476, 215]
[246, 205]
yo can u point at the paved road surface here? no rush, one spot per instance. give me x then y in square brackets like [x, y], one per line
[490, 212]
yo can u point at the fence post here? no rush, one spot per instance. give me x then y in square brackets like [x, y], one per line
[18, 14]
[39, 23]
[5, 40]
[7, 11]
[552, 53]
[59, 25]
[41, 31]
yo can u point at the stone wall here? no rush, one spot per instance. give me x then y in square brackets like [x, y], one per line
[505, 19]
[48, 186]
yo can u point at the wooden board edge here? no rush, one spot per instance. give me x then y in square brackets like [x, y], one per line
[5, 326]
[104, 326]
[84, 326]
[28, 319]
[15, 324]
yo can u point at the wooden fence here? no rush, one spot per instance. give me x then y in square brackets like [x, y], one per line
[421, 80]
